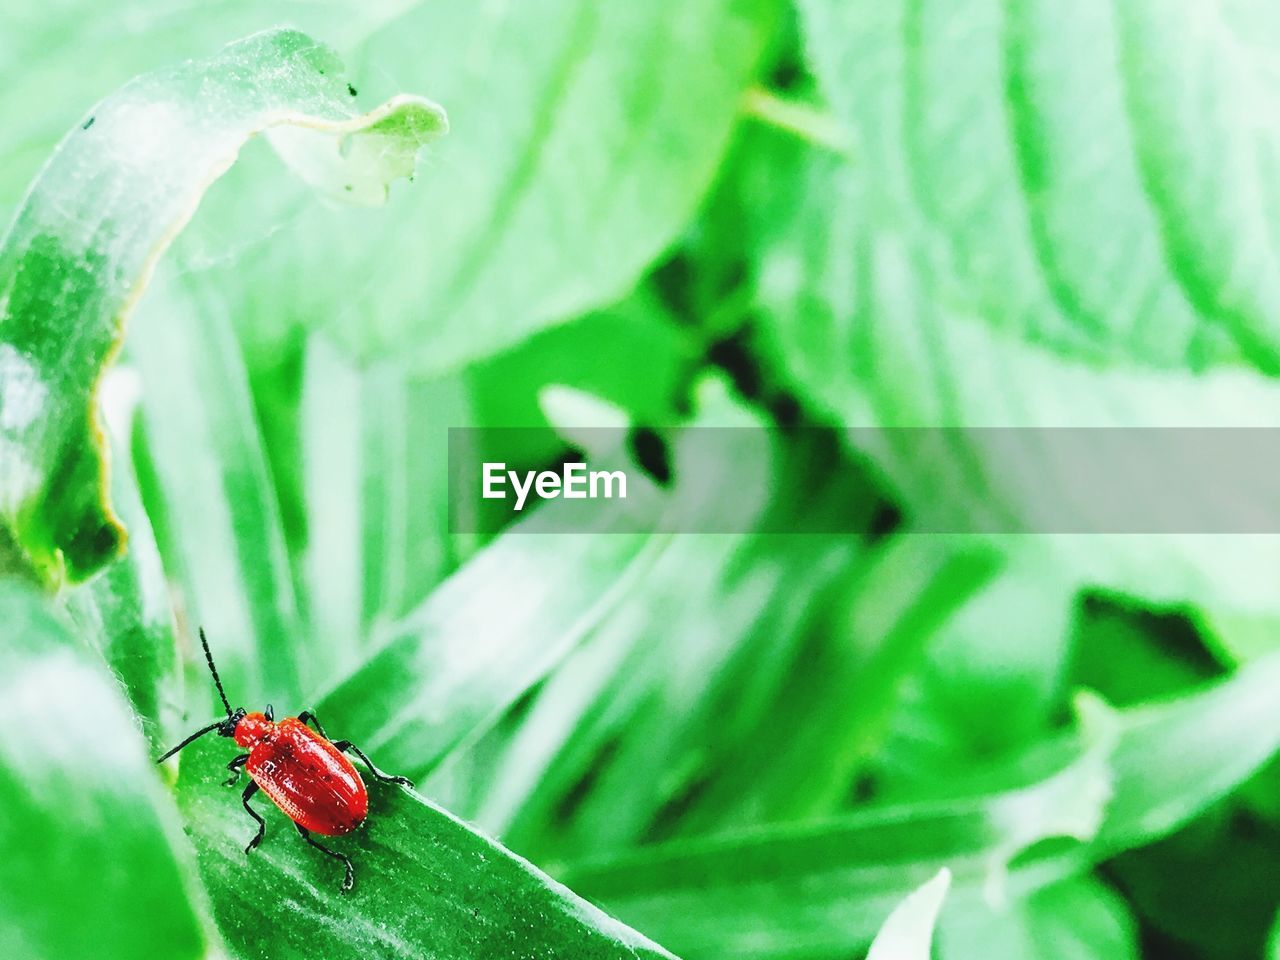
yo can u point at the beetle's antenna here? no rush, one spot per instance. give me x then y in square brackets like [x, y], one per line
[195, 736]
[204, 642]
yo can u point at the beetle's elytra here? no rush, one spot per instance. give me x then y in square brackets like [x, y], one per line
[304, 772]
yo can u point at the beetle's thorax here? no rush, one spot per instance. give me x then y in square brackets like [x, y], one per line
[252, 729]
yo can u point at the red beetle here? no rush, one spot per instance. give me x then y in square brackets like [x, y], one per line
[301, 769]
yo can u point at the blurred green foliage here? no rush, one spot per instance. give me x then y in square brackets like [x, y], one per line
[668, 215]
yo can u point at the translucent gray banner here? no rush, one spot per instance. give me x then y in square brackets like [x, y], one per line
[948, 480]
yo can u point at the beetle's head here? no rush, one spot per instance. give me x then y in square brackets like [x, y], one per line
[227, 728]
[250, 728]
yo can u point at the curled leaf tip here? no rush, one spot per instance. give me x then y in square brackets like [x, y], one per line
[112, 198]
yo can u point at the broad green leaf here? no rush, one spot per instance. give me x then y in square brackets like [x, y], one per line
[88, 236]
[1208, 155]
[375, 448]
[428, 887]
[908, 933]
[1274, 953]
[593, 763]
[584, 138]
[1040, 150]
[89, 868]
[986, 263]
[587, 136]
[835, 280]
[42, 54]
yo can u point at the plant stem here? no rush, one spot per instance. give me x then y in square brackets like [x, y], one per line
[799, 119]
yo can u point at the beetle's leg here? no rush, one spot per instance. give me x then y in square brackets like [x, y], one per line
[349, 878]
[344, 745]
[306, 716]
[249, 791]
[236, 766]
[270, 713]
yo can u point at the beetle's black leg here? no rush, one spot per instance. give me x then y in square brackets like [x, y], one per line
[249, 791]
[270, 712]
[344, 745]
[306, 716]
[235, 766]
[349, 879]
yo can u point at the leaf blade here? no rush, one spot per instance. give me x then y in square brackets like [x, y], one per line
[81, 800]
[908, 933]
[86, 239]
[428, 886]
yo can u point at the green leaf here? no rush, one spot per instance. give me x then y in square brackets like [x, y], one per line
[89, 868]
[597, 127]
[88, 235]
[1176, 758]
[588, 761]
[585, 135]
[820, 889]
[1080, 918]
[125, 611]
[908, 933]
[506, 386]
[1217, 234]
[427, 885]
[374, 453]
[1227, 912]
[207, 484]
[375, 461]
[990, 682]
[592, 765]
[988, 262]
[834, 279]
[458, 660]
[1034, 145]
[891, 607]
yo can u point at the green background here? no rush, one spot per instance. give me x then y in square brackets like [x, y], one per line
[824, 215]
